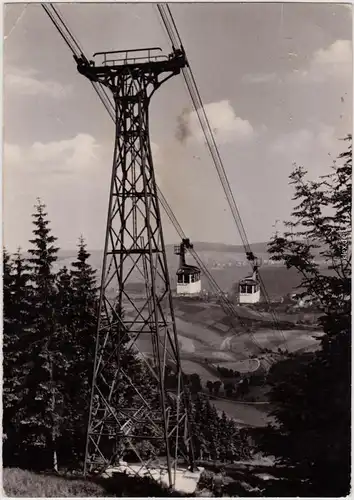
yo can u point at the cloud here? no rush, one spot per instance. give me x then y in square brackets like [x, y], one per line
[260, 78]
[295, 141]
[314, 149]
[71, 176]
[61, 157]
[304, 139]
[27, 82]
[224, 122]
[333, 62]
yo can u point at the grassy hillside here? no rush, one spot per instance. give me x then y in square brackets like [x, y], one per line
[24, 483]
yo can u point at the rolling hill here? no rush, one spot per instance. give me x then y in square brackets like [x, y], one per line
[205, 337]
[227, 264]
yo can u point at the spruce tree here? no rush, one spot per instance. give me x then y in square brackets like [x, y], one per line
[10, 338]
[38, 418]
[17, 328]
[77, 294]
[8, 307]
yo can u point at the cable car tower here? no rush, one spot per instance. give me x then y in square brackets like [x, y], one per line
[121, 428]
[188, 277]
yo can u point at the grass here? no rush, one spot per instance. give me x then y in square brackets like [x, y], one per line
[24, 483]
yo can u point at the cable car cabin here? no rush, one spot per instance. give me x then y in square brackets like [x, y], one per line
[249, 290]
[188, 280]
[188, 277]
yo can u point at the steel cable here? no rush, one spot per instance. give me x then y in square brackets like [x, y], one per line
[194, 94]
[76, 49]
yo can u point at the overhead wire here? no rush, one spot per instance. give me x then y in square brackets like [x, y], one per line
[77, 51]
[54, 18]
[172, 31]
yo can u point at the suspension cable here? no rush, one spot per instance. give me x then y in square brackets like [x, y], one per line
[77, 51]
[171, 29]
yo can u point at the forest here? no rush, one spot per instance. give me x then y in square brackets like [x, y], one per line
[50, 323]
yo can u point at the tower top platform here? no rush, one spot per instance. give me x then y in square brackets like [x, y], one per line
[131, 61]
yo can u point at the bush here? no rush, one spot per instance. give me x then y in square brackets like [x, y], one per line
[206, 480]
[122, 485]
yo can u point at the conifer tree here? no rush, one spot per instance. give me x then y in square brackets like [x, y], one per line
[77, 291]
[8, 304]
[84, 277]
[17, 328]
[38, 418]
[10, 338]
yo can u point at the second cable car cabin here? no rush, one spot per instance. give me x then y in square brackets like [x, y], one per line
[188, 277]
[249, 290]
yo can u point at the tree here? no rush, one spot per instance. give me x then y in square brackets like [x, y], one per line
[210, 386]
[17, 327]
[215, 437]
[312, 401]
[217, 385]
[77, 310]
[228, 388]
[9, 333]
[38, 419]
[195, 383]
[10, 338]
[84, 277]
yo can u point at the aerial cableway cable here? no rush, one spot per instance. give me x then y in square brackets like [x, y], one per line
[74, 46]
[227, 305]
[171, 29]
[204, 122]
[77, 51]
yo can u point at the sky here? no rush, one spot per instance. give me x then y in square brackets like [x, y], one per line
[275, 80]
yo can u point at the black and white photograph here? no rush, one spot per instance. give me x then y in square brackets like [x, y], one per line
[176, 249]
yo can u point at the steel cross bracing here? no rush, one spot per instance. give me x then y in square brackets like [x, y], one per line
[131, 407]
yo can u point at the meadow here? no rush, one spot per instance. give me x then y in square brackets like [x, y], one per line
[24, 483]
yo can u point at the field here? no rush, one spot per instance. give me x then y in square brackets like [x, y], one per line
[203, 337]
[205, 343]
[246, 414]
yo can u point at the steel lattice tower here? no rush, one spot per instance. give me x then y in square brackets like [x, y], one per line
[124, 416]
